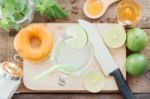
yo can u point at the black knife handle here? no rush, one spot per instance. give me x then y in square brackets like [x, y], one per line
[122, 84]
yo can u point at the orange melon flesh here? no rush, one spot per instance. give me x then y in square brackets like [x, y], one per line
[94, 7]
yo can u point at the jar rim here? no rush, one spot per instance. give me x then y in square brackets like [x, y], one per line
[31, 8]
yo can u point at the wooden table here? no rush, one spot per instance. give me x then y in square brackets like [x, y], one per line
[139, 85]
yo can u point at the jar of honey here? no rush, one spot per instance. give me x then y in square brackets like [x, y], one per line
[129, 12]
[12, 69]
[10, 79]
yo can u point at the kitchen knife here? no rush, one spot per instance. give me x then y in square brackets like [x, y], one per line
[105, 59]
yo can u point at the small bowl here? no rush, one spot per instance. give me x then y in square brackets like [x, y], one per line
[105, 4]
[87, 13]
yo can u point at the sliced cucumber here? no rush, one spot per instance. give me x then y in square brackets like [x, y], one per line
[115, 36]
[94, 81]
[78, 37]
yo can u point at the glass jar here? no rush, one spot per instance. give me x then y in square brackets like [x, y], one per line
[23, 14]
[129, 12]
[29, 16]
[10, 79]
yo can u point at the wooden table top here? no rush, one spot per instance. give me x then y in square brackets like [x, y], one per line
[139, 85]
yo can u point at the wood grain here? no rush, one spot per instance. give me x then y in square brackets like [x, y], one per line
[74, 83]
[137, 84]
[108, 17]
[76, 96]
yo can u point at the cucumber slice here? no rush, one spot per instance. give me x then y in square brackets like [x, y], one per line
[115, 36]
[94, 81]
[78, 37]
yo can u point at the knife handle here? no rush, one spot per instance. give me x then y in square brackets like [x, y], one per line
[122, 84]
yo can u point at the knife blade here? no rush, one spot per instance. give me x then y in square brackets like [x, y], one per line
[105, 59]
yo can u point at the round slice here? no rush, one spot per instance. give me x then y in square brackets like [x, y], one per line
[78, 37]
[94, 81]
[115, 36]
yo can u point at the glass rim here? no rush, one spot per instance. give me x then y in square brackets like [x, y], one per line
[31, 8]
[141, 9]
[87, 46]
[8, 75]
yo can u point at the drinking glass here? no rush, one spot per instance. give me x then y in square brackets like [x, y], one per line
[129, 12]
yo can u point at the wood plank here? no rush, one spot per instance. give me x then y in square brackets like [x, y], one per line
[140, 84]
[137, 84]
[76, 96]
[109, 16]
[3, 46]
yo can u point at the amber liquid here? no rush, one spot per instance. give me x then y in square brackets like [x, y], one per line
[129, 12]
[94, 7]
[12, 69]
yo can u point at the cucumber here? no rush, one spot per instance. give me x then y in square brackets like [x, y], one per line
[78, 37]
[115, 36]
[94, 81]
